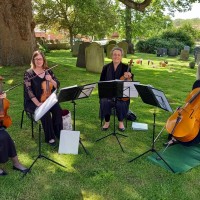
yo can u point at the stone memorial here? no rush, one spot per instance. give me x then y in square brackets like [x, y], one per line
[94, 55]
[124, 46]
[80, 62]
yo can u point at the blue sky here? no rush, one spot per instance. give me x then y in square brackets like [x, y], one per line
[194, 13]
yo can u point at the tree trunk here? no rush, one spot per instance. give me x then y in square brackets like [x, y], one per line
[128, 30]
[17, 40]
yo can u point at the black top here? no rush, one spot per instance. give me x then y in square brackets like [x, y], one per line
[108, 73]
[33, 88]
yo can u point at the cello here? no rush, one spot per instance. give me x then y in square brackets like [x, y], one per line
[5, 120]
[184, 123]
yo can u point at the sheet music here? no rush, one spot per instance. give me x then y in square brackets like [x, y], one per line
[129, 89]
[86, 90]
[46, 106]
[162, 100]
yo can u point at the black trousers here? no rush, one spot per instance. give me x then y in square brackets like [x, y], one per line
[7, 146]
[52, 123]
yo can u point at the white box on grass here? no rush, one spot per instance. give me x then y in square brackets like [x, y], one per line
[139, 126]
[69, 142]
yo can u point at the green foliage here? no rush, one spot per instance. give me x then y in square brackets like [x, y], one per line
[180, 35]
[150, 45]
[176, 38]
[90, 17]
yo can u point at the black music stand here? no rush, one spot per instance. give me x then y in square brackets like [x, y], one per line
[155, 98]
[74, 93]
[113, 90]
[40, 155]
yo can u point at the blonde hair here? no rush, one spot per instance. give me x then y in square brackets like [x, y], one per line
[36, 53]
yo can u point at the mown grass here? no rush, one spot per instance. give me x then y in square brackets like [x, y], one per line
[105, 173]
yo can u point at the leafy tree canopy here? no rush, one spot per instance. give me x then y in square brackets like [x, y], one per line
[140, 5]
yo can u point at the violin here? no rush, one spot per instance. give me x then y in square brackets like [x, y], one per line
[184, 123]
[46, 89]
[127, 79]
[5, 120]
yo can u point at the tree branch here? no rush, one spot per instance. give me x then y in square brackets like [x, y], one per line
[136, 6]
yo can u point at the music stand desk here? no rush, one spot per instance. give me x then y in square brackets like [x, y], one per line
[157, 98]
[73, 93]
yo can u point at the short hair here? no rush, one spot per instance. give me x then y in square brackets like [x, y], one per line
[117, 48]
[36, 53]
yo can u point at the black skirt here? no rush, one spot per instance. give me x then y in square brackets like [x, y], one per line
[7, 146]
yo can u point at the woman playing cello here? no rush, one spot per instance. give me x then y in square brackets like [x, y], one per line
[37, 89]
[195, 131]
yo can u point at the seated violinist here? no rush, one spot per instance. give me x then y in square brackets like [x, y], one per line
[112, 71]
[38, 80]
[172, 140]
[8, 150]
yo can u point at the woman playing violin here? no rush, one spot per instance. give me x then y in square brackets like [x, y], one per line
[8, 150]
[37, 89]
[112, 71]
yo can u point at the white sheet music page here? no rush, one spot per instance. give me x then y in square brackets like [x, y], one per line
[129, 89]
[46, 106]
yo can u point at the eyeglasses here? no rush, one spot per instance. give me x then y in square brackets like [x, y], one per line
[38, 59]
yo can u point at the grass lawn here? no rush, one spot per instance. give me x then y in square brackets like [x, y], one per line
[105, 173]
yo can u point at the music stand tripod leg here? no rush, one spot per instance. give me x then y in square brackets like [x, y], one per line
[114, 133]
[74, 127]
[40, 155]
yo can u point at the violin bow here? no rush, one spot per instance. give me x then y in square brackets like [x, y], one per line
[11, 88]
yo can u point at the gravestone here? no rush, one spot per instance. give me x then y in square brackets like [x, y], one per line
[197, 60]
[184, 55]
[161, 52]
[108, 50]
[187, 48]
[124, 46]
[94, 55]
[80, 62]
[173, 52]
[75, 48]
[196, 51]
[112, 42]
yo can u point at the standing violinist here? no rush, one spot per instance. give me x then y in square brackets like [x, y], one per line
[7, 149]
[37, 80]
[112, 71]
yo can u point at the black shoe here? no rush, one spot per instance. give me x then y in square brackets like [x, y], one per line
[3, 173]
[121, 129]
[24, 171]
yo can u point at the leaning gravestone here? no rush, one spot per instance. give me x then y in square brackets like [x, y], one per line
[81, 55]
[184, 55]
[124, 46]
[94, 56]
[109, 48]
[75, 48]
